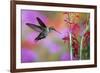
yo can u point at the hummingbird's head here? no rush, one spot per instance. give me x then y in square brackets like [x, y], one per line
[53, 29]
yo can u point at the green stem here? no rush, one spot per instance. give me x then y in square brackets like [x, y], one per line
[71, 52]
[81, 48]
[82, 41]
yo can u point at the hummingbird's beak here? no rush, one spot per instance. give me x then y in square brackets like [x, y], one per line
[57, 31]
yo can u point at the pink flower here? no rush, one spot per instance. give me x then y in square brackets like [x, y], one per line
[66, 38]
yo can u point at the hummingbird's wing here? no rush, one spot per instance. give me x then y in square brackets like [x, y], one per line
[40, 36]
[41, 22]
[35, 27]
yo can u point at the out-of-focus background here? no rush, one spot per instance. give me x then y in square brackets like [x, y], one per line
[54, 47]
[5, 36]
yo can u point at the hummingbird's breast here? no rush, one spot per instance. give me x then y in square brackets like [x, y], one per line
[48, 30]
[45, 32]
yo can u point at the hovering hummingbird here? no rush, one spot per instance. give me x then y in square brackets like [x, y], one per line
[43, 29]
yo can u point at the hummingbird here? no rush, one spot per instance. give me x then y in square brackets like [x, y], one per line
[42, 29]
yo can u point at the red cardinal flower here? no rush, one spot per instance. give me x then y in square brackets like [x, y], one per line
[86, 39]
[75, 29]
[75, 45]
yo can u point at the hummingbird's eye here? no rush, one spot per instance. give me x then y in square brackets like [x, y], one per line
[52, 28]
